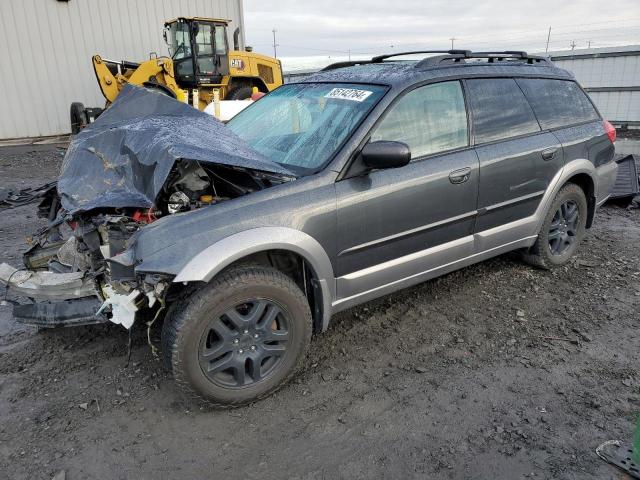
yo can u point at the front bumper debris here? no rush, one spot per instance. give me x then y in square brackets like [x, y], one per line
[123, 306]
[47, 285]
[65, 313]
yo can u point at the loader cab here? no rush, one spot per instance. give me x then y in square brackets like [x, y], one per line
[199, 49]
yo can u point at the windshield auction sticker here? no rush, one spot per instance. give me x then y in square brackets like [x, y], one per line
[348, 94]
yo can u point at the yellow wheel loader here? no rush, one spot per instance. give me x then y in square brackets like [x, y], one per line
[200, 65]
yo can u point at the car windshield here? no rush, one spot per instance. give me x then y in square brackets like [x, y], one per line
[302, 125]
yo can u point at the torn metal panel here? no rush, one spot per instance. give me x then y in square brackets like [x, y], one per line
[65, 313]
[47, 285]
[12, 199]
[621, 455]
[125, 157]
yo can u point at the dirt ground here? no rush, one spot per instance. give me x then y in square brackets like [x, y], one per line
[469, 376]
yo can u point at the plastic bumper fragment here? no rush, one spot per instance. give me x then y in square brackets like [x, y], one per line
[65, 313]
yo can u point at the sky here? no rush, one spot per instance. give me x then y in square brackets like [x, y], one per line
[337, 28]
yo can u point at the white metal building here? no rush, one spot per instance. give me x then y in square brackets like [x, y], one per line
[47, 47]
[612, 78]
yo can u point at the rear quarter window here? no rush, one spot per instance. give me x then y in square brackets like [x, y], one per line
[499, 110]
[557, 103]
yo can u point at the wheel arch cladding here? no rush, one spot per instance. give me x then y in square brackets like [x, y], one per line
[586, 183]
[247, 244]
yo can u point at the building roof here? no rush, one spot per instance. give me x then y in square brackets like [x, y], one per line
[594, 52]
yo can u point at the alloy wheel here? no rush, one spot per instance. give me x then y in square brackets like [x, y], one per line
[564, 227]
[245, 344]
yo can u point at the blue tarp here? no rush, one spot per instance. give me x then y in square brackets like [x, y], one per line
[124, 158]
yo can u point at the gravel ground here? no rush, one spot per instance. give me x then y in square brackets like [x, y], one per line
[497, 371]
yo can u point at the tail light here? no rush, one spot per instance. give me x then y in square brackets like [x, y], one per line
[610, 130]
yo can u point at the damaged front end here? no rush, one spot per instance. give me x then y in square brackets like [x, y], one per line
[147, 157]
[73, 277]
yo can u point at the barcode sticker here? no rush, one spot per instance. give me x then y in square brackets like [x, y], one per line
[348, 94]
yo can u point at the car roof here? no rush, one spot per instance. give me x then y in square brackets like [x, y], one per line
[401, 74]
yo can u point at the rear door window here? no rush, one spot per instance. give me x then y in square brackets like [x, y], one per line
[499, 110]
[430, 119]
[557, 103]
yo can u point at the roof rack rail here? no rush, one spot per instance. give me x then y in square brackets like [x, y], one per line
[457, 56]
[348, 63]
[380, 58]
[492, 57]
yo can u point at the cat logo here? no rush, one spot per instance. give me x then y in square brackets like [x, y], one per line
[237, 63]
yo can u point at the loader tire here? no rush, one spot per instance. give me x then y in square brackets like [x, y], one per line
[239, 93]
[78, 117]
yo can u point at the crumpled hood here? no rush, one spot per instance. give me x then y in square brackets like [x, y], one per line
[125, 157]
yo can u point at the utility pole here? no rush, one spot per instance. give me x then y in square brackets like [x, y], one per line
[349, 54]
[573, 44]
[453, 39]
[548, 38]
[588, 43]
[275, 45]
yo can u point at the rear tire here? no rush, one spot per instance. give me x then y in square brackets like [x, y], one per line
[239, 338]
[239, 93]
[562, 231]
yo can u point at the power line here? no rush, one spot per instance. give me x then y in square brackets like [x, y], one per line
[599, 36]
[275, 45]
[548, 37]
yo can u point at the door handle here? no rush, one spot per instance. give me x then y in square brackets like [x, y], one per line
[549, 153]
[460, 176]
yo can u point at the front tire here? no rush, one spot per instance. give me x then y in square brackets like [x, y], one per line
[240, 337]
[562, 231]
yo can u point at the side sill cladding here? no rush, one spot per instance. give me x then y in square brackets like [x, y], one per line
[213, 259]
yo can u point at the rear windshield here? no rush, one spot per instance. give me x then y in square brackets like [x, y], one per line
[557, 103]
[302, 125]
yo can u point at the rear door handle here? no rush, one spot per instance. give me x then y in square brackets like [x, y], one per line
[460, 176]
[549, 153]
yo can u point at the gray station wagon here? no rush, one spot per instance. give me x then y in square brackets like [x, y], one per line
[355, 182]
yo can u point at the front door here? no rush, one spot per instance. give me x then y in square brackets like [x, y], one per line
[395, 223]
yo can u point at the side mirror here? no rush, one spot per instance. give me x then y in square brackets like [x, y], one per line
[385, 154]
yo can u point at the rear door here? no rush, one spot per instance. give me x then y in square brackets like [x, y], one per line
[563, 108]
[517, 159]
[392, 214]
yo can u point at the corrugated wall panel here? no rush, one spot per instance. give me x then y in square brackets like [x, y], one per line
[46, 62]
[612, 71]
[618, 106]
[623, 71]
